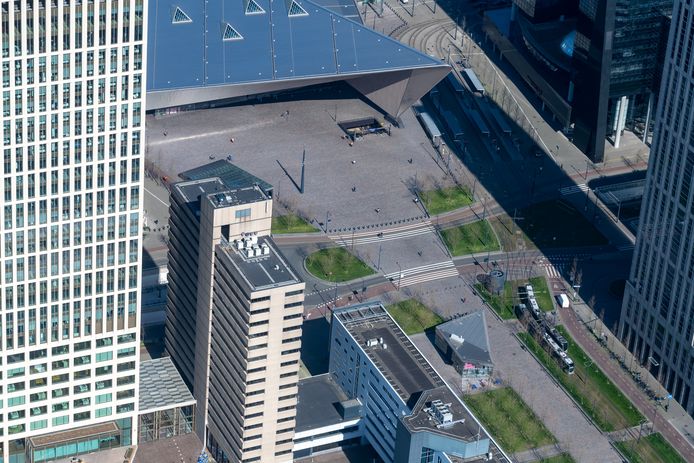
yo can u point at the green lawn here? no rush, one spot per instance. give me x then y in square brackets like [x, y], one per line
[561, 458]
[589, 386]
[557, 224]
[336, 265]
[413, 316]
[510, 235]
[470, 238]
[542, 294]
[291, 223]
[502, 303]
[445, 199]
[509, 420]
[650, 449]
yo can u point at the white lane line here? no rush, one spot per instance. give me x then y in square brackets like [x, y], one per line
[156, 197]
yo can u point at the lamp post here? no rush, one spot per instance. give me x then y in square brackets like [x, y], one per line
[399, 274]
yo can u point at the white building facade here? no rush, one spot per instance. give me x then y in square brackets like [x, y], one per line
[73, 130]
[657, 321]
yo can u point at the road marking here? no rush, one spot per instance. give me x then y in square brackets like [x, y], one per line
[421, 269]
[573, 189]
[156, 197]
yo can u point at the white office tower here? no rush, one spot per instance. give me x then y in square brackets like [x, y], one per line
[657, 315]
[72, 125]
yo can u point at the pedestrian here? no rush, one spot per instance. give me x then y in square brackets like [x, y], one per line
[231, 139]
[354, 188]
[164, 132]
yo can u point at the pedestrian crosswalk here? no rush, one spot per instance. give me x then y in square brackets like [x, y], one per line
[554, 271]
[405, 231]
[573, 189]
[422, 274]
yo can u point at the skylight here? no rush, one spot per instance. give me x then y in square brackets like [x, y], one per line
[230, 33]
[253, 8]
[180, 17]
[296, 10]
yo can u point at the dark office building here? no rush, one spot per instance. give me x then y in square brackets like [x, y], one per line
[602, 56]
[616, 64]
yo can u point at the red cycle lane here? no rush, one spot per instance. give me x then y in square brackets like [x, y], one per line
[625, 384]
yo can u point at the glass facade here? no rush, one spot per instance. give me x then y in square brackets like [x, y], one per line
[163, 424]
[72, 106]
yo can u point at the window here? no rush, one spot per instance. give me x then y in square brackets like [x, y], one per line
[61, 420]
[243, 213]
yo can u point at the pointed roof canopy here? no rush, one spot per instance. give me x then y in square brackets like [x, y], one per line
[268, 45]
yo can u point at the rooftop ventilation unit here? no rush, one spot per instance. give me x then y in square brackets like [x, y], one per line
[442, 413]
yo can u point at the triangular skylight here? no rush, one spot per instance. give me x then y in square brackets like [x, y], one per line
[230, 33]
[253, 8]
[296, 10]
[180, 17]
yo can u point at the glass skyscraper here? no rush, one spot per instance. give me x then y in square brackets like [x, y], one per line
[73, 129]
[657, 320]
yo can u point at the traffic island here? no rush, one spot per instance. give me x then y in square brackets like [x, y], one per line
[336, 265]
[443, 200]
[471, 238]
[649, 449]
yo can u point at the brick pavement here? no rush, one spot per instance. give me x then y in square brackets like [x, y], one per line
[625, 383]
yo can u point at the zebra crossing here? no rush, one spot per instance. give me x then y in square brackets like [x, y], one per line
[555, 271]
[573, 189]
[424, 273]
[405, 231]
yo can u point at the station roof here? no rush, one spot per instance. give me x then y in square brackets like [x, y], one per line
[200, 44]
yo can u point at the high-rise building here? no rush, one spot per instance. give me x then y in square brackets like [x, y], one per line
[72, 125]
[657, 319]
[234, 314]
[616, 68]
[600, 63]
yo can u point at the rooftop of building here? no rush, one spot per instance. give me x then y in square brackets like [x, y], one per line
[232, 176]
[460, 425]
[260, 264]
[468, 337]
[223, 184]
[260, 41]
[161, 386]
[319, 403]
[389, 348]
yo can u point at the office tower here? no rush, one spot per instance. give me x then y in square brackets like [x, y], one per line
[407, 412]
[657, 316]
[234, 314]
[598, 63]
[616, 68]
[72, 133]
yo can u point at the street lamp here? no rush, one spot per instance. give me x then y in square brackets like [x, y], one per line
[399, 274]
